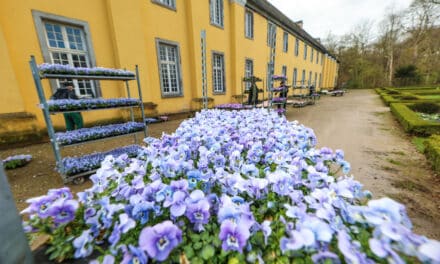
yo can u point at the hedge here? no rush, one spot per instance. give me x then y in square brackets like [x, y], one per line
[432, 151]
[411, 122]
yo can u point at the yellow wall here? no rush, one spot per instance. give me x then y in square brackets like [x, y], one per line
[124, 34]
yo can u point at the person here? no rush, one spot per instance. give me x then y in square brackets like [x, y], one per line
[73, 120]
[253, 94]
[283, 93]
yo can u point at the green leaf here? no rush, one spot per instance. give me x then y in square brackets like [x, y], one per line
[207, 252]
[197, 245]
[189, 252]
[197, 260]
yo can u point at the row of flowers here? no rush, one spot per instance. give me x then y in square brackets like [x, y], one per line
[98, 132]
[87, 104]
[16, 161]
[47, 68]
[279, 77]
[233, 106]
[76, 165]
[229, 186]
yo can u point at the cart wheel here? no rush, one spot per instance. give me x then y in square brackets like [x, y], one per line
[78, 180]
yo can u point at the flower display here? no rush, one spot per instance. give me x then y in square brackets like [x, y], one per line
[16, 161]
[87, 104]
[85, 134]
[279, 77]
[278, 89]
[233, 106]
[76, 165]
[230, 187]
[47, 68]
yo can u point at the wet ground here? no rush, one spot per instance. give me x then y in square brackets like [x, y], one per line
[382, 156]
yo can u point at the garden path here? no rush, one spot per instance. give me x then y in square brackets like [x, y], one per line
[382, 156]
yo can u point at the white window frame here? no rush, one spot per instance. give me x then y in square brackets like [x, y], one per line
[248, 71]
[249, 24]
[178, 91]
[305, 51]
[312, 54]
[284, 71]
[296, 47]
[303, 77]
[170, 4]
[218, 73]
[285, 41]
[309, 82]
[295, 77]
[216, 11]
[271, 30]
[40, 18]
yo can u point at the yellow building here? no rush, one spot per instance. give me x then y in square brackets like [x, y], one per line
[163, 38]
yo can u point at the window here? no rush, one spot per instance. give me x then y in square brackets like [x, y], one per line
[270, 71]
[169, 68]
[322, 58]
[66, 45]
[249, 24]
[295, 76]
[296, 47]
[320, 80]
[305, 51]
[218, 73]
[311, 54]
[284, 70]
[216, 11]
[271, 34]
[248, 71]
[316, 79]
[309, 82]
[285, 42]
[303, 78]
[168, 3]
[317, 57]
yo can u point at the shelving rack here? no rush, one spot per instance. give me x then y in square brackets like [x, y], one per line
[282, 89]
[252, 80]
[56, 146]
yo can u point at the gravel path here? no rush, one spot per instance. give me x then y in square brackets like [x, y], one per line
[382, 156]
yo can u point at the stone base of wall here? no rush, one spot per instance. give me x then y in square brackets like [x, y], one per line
[19, 129]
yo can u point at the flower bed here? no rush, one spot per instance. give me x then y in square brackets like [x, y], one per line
[412, 123]
[88, 104]
[98, 132]
[16, 161]
[76, 165]
[47, 68]
[228, 187]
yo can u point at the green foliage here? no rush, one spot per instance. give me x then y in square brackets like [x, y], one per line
[412, 123]
[407, 74]
[426, 107]
[432, 151]
[420, 143]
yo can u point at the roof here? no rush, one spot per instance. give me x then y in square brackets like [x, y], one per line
[272, 13]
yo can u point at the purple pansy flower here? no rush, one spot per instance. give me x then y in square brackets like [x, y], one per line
[232, 236]
[159, 240]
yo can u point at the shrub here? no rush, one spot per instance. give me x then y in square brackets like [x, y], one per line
[411, 122]
[408, 97]
[425, 107]
[432, 151]
[393, 92]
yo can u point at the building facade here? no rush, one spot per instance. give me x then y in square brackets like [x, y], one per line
[163, 38]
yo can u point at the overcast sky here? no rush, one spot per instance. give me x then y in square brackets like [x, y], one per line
[338, 16]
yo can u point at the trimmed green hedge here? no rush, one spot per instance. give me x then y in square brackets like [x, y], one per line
[432, 151]
[411, 122]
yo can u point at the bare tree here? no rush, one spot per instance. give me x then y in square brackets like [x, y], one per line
[391, 29]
